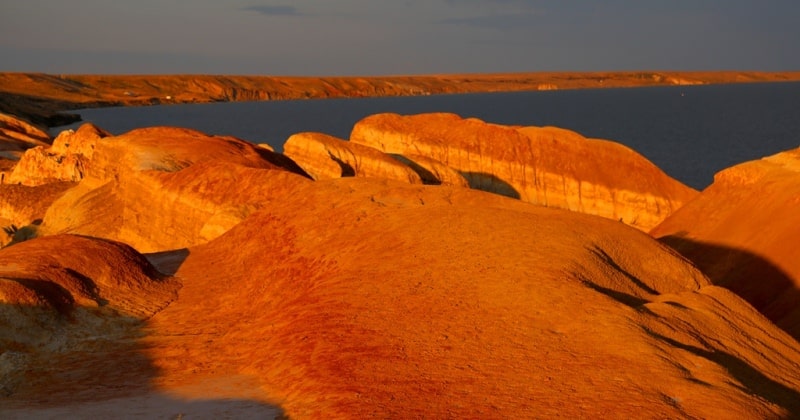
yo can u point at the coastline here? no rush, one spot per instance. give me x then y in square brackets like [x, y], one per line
[42, 99]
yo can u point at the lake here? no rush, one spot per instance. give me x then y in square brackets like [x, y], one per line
[691, 132]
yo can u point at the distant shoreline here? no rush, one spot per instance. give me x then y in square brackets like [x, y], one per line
[42, 98]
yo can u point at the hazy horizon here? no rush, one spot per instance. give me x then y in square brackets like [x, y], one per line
[378, 37]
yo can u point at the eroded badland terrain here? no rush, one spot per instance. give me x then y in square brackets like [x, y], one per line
[430, 266]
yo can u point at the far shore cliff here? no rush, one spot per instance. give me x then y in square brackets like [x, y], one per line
[40, 98]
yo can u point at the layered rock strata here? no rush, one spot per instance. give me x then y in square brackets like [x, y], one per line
[547, 166]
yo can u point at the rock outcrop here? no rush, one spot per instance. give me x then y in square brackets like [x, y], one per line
[65, 160]
[165, 188]
[16, 136]
[364, 296]
[512, 310]
[547, 166]
[326, 157]
[742, 232]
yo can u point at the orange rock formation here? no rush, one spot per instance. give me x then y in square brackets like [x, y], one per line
[16, 136]
[548, 166]
[65, 160]
[365, 297]
[164, 188]
[742, 232]
[326, 157]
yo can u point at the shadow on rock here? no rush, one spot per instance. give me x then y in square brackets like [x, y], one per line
[282, 161]
[765, 286]
[428, 178]
[76, 339]
[752, 381]
[84, 366]
[490, 183]
[168, 262]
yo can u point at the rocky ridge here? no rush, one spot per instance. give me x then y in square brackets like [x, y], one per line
[541, 165]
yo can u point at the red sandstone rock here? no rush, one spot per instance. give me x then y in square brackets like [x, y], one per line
[65, 160]
[325, 157]
[162, 188]
[366, 297]
[548, 166]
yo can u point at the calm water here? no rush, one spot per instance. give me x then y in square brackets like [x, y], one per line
[691, 132]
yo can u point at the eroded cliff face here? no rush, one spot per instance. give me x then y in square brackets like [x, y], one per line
[326, 157]
[743, 232]
[547, 166]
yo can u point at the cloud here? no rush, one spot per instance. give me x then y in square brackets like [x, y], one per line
[274, 10]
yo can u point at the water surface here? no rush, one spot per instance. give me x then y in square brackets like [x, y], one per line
[691, 132]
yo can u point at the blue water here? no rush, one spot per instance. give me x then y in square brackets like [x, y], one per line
[691, 132]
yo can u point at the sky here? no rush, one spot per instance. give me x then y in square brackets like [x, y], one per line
[392, 37]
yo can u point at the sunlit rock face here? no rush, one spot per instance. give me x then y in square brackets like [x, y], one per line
[166, 188]
[358, 297]
[325, 157]
[743, 232]
[191, 259]
[66, 160]
[547, 166]
[17, 136]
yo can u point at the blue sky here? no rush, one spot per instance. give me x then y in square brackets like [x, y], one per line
[378, 37]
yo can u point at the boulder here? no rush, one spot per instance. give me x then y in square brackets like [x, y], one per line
[547, 166]
[326, 157]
